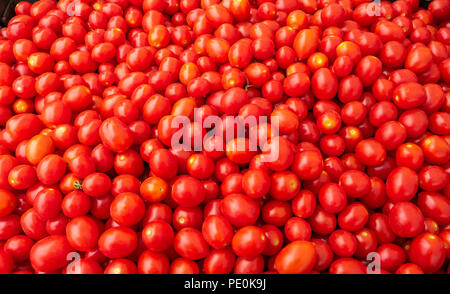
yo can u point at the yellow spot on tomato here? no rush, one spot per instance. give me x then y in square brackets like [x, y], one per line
[328, 123]
[61, 129]
[427, 141]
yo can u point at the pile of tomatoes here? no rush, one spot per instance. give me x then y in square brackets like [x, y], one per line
[352, 96]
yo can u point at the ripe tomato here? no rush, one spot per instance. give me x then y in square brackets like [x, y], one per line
[296, 258]
[82, 233]
[115, 135]
[127, 209]
[50, 253]
[117, 242]
[190, 244]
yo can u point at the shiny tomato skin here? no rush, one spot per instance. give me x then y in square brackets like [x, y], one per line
[296, 258]
[188, 191]
[50, 169]
[240, 210]
[324, 84]
[153, 263]
[332, 198]
[396, 187]
[47, 203]
[50, 253]
[435, 206]
[82, 233]
[347, 265]
[115, 135]
[217, 231]
[8, 203]
[406, 220]
[157, 236]
[427, 251]
[249, 241]
[190, 244]
[219, 261]
[305, 43]
[117, 242]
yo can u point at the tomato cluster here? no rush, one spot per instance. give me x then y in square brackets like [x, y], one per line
[353, 97]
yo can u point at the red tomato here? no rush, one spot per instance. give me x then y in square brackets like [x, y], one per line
[297, 257]
[50, 254]
[115, 135]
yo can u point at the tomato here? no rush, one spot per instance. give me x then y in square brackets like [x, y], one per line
[406, 219]
[217, 231]
[121, 266]
[249, 241]
[296, 258]
[115, 135]
[324, 84]
[157, 236]
[50, 169]
[427, 251]
[255, 183]
[8, 203]
[127, 209]
[395, 184]
[435, 206]
[353, 217]
[307, 165]
[366, 242]
[304, 204]
[24, 126]
[347, 265]
[297, 229]
[239, 54]
[128, 162]
[332, 198]
[285, 185]
[371, 152]
[22, 176]
[183, 266]
[153, 263]
[409, 268]
[82, 233]
[305, 43]
[200, 166]
[154, 189]
[96, 185]
[188, 191]
[117, 242]
[342, 243]
[435, 149]
[240, 210]
[75, 203]
[40, 62]
[409, 95]
[368, 69]
[418, 59]
[18, 247]
[190, 244]
[50, 253]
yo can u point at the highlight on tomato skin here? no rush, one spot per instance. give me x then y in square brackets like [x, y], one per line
[225, 137]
